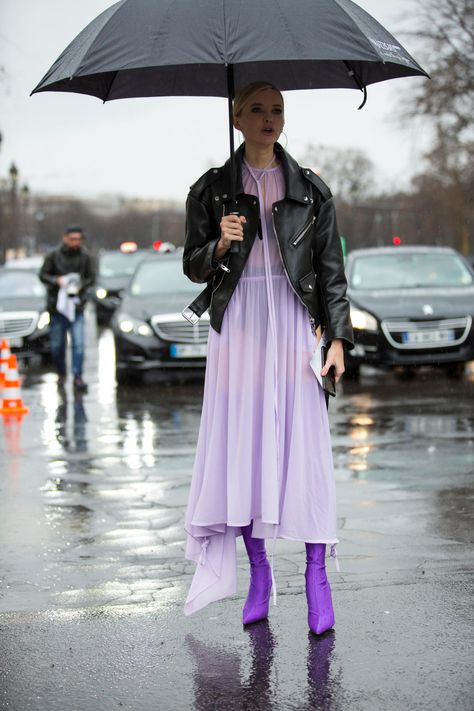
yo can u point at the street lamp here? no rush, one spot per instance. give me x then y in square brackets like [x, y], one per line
[13, 176]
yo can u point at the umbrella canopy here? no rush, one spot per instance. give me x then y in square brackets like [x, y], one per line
[142, 48]
[139, 48]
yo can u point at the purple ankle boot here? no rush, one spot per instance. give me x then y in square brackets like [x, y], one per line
[258, 599]
[318, 591]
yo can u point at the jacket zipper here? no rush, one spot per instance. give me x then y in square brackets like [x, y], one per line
[283, 262]
[298, 239]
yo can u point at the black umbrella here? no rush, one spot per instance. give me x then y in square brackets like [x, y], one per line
[203, 47]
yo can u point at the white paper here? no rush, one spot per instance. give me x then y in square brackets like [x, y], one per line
[65, 304]
[316, 361]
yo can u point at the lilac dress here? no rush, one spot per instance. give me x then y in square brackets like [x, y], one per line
[264, 449]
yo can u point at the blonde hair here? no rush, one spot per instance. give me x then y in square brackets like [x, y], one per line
[244, 94]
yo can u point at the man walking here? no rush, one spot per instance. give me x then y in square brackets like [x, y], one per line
[68, 272]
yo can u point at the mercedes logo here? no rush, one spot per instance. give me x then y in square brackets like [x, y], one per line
[428, 310]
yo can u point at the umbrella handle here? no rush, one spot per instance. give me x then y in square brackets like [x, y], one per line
[364, 89]
[359, 83]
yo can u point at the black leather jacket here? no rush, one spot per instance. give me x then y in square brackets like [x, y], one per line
[306, 230]
[64, 260]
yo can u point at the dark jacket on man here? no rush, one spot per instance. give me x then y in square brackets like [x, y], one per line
[64, 260]
[307, 235]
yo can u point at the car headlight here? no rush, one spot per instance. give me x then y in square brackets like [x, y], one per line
[101, 293]
[43, 321]
[363, 321]
[125, 325]
[128, 324]
[143, 329]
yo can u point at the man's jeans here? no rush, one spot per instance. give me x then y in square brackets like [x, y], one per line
[58, 329]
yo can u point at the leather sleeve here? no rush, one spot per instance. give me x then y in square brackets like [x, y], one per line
[48, 273]
[329, 268]
[201, 240]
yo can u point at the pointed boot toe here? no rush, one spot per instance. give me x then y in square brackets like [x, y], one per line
[318, 623]
[257, 605]
[320, 609]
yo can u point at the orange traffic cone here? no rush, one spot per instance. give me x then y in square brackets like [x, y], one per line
[12, 403]
[4, 356]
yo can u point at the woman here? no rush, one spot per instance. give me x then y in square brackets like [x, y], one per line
[263, 465]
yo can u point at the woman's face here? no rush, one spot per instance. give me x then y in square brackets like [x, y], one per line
[262, 118]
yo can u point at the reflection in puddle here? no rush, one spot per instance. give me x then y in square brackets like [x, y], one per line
[220, 681]
[325, 689]
[106, 368]
[58, 429]
[432, 425]
[383, 420]
[115, 479]
[76, 517]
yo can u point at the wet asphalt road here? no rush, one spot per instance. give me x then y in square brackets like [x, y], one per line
[92, 498]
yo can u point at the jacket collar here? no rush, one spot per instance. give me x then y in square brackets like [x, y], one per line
[296, 186]
[68, 251]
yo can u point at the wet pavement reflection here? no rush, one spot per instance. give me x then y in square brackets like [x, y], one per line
[112, 469]
[93, 494]
[218, 675]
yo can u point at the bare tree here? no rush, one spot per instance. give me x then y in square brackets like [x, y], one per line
[348, 171]
[446, 35]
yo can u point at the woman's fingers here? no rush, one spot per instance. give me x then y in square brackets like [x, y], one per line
[335, 359]
[232, 227]
[338, 368]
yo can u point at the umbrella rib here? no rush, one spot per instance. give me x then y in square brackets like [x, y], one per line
[114, 76]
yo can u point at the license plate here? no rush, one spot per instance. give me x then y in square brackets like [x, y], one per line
[16, 342]
[441, 336]
[188, 350]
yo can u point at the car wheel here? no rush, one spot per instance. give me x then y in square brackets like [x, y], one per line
[102, 321]
[46, 359]
[455, 370]
[406, 372]
[124, 377]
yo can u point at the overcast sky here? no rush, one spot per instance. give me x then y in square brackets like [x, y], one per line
[156, 147]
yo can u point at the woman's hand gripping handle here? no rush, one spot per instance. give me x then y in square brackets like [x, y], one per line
[232, 232]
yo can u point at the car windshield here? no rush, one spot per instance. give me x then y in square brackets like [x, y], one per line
[119, 264]
[19, 284]
[408, 271]
[162, 277]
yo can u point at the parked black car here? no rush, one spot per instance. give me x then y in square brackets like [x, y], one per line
[149, 331]
[24, 320]
[115, 269]
[410, 306]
